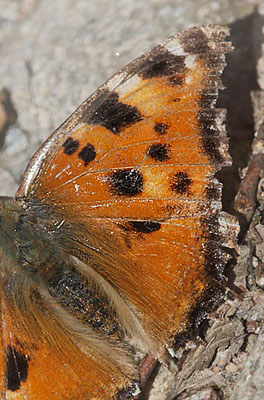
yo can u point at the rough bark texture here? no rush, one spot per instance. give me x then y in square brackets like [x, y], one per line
[54, 54]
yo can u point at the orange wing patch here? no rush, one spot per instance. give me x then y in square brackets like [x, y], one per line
[160, 131]
[41, 360]
[120, 227]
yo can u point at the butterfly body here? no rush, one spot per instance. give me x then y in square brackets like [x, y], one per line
[114, 240]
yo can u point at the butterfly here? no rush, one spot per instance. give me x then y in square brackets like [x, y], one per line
[113, 243]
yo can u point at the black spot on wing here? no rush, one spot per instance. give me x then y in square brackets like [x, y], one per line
[195, 41]
[111, 113]
[161, 128]
[177, 80]
[213, 192]
[207, 118]
[211, 147]
[145, 226]
[214, 253]
[87, 154]
[70, 146]
[159, 152]
[126, 182]
[16, 369]
[180, 182]
[160, 62]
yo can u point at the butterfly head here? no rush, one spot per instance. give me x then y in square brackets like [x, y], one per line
[10, 212]
[26, 241]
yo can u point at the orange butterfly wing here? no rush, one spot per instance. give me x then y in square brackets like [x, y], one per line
[138, 160]
[129, 180]
[31, 368]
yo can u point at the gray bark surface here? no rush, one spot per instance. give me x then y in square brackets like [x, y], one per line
[54, 54]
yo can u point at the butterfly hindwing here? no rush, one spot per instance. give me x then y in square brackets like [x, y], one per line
[46, 353]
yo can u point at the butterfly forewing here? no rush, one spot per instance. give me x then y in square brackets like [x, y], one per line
[129, 181]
